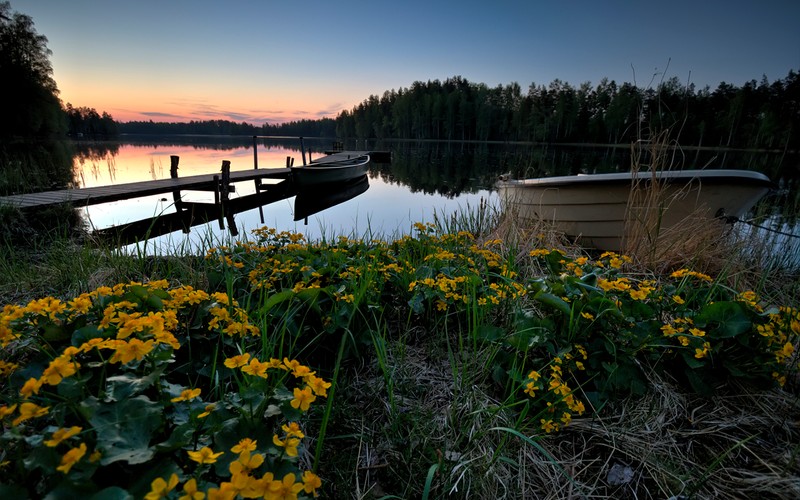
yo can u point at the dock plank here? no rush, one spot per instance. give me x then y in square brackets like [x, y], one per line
[105, 194]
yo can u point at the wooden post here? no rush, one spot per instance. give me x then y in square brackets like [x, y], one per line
[303, 151]
[216, 200]
[257, 182]
[255, 152]
[173, 173]
[225, 189]
[173, 166]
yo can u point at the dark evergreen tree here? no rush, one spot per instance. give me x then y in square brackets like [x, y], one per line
[30, 103]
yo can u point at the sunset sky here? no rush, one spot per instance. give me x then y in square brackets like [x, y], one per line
[275, 61]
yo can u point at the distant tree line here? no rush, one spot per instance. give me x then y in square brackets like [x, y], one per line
[756, 115]
[325, 127]
[87, 122]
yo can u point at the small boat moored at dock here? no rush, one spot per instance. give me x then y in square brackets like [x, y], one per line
[598, 209]
[330, 169]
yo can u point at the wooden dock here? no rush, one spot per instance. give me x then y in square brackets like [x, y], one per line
[105, 194]
[218, 183]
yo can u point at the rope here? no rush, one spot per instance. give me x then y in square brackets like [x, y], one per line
[765, 228]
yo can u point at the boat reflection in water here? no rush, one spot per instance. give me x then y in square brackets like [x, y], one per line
[317, 198]
[308, 201]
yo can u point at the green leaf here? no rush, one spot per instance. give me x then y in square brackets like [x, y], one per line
[112, 493]
[489, 333]
[125, 428]
[72, 388]
[120, 387]
[553, 301]
[416, 304]
[698, 383]
[691, 361]
[730, 318]
[54, 333]
[155, 302]
[275, 299]
[178, 438]
[88, 332]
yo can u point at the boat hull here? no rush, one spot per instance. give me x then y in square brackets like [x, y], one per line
[599, 209]
[326, 172]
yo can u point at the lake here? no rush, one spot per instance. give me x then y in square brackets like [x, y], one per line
[425, 180]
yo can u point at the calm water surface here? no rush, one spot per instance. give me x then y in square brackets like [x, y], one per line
[424, 181]
[386, 209]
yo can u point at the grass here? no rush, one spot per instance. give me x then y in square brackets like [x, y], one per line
[427, 402]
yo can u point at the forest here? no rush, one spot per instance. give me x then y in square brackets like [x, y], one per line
[756, 115]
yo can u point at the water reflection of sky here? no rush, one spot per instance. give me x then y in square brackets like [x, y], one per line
[384, 211]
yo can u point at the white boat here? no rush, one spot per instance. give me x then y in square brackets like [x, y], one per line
[596, 209]
[329, 169]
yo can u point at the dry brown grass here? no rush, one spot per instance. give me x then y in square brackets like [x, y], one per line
[697, 241]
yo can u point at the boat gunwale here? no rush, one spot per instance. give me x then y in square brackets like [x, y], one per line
[333, 164]
[721, 176]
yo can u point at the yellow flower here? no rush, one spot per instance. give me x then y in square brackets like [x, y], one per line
[697, 332]
[130, 350]
[28, 411]
[205, 455]
[59, 369]
[318, 385]
[7, 410]
[225, 491]
[61, 435]
[246, 463]
[245, 444]
[638, 294]
[256, 368]
[702, 353]
[71, 457]
[7, 368]
[297, 369]
[286, 489]
[311, 482]
[160, 488]
[303, 398]
[587, 316]
[208, 409]
[191, 492]
[31, 386]
[237, 361]
[187, 395]
[293, 429]
[289, 444]
[548, 426]
[678, 300]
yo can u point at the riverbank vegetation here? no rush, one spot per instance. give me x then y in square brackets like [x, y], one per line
[471, 358]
